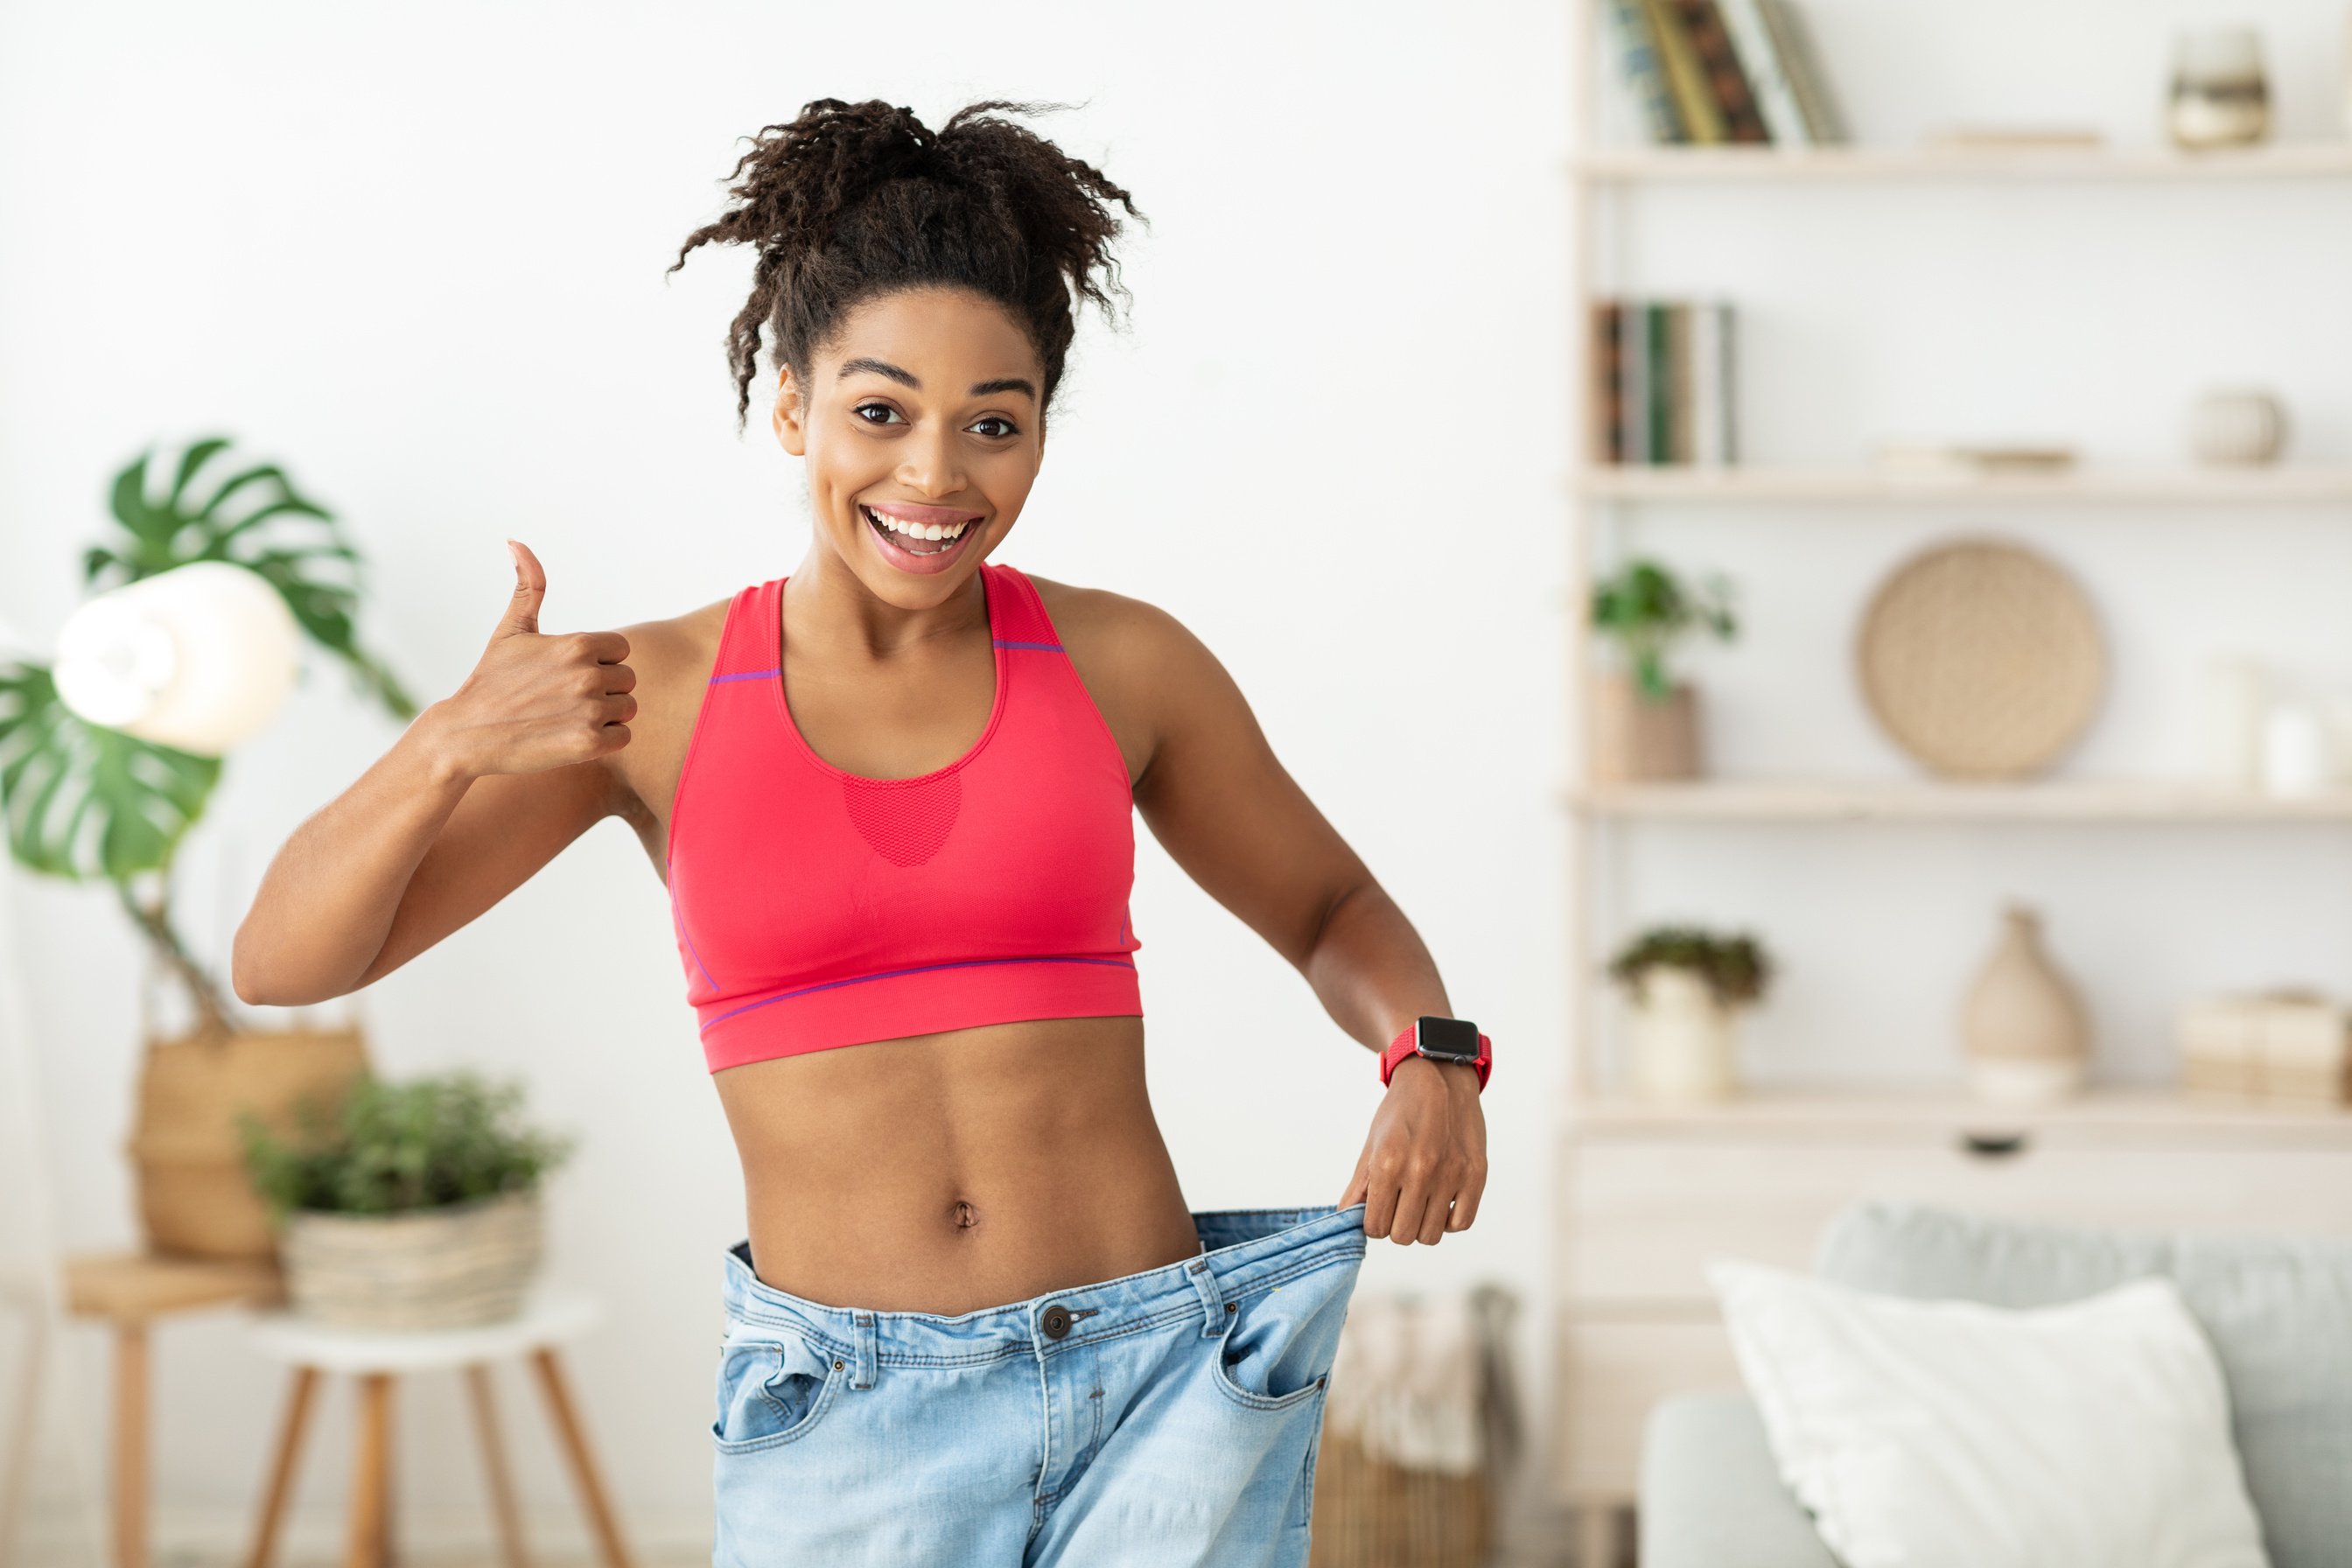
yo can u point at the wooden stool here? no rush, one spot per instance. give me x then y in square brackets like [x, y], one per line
[376, 1356]
[130, 1291]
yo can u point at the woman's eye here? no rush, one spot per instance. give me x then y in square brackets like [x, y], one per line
[1009, 428]
[863, 409]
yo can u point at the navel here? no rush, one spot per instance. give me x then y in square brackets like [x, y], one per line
[962, 1215]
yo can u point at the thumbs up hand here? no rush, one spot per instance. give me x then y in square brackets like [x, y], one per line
[535, 699]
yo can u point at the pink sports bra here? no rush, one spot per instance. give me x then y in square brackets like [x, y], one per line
[816, 908]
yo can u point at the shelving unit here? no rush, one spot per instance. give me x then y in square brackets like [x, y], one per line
[2075, 802]
[2286, 484]
[2286, 161]
[1644, 1189]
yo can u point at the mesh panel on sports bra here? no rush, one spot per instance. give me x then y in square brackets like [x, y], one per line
[906, 823]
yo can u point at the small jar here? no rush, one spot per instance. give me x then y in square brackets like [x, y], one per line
[2220, 95]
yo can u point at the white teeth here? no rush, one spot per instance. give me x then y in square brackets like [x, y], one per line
[918, 530]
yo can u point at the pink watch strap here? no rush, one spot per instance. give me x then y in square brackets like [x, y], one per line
[1401, 1047]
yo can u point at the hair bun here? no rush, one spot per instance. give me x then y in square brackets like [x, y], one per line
[854, 199]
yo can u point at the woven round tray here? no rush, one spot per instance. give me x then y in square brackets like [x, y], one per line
[1981, 659]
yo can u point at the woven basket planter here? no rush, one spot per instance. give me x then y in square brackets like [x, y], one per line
[195, 1197]
[433, 1268]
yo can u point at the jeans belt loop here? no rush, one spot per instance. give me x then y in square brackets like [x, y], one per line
[864, 1334]
[1213, 1305]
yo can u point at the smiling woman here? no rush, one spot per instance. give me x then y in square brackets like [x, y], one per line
[891, 795]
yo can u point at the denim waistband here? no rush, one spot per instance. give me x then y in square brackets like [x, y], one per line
[1242, 1251]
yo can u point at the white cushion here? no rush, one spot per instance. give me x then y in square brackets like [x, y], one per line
[1932, 1433]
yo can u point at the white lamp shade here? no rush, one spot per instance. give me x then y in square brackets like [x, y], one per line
[200, 658]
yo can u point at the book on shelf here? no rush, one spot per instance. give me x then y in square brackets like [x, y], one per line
[1661, 383]
[1719, 69]
[1792, 47]
[1646, 73]
[1607, 382]
[1768, 79]
[1709, 72]
[1694, 105]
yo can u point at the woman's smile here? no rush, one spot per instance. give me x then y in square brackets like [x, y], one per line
[921, 539]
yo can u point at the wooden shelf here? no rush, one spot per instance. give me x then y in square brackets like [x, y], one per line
[1812, 1111]
[1799, 166]
[2086, 801]
[2314, 484]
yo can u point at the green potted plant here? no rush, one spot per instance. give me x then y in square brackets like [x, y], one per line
[1646, 723]
[1688, 987]
[94, 801]
[406, 1206]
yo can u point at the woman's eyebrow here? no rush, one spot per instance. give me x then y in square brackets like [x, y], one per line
[879, 367]
[906, 378]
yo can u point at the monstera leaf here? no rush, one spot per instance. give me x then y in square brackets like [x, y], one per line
[255, 518]
[83, 801]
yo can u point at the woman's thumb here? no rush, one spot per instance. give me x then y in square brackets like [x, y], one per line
[530, 587]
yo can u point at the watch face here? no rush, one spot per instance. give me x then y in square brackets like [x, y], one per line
[1452, 1039]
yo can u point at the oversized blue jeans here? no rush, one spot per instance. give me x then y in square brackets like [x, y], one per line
[1162, 1418]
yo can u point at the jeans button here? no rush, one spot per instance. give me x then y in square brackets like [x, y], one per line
[1056, 1321]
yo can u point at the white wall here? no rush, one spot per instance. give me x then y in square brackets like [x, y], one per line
[417, 253]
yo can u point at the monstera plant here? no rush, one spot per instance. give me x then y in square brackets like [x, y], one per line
[86, 802]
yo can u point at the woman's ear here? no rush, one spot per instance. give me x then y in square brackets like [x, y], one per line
[787, 416]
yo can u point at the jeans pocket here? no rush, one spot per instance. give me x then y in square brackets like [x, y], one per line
[773, 1386]
[1279, 1341]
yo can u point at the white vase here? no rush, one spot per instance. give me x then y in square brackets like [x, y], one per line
[2028, 1041]
[1684, 1039]
[2296, 752]
[2237, 426]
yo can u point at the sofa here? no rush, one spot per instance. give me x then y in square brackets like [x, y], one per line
[2278, 1310]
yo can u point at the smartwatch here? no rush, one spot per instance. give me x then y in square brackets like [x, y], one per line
[1441, 1040]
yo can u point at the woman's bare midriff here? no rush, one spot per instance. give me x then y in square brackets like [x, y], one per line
[953, 1172]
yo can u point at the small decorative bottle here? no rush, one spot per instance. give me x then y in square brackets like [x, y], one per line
[2028, 1041]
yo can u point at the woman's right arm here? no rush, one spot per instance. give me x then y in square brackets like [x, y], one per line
[485, 787]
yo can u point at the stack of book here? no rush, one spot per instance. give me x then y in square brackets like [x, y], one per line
[1723, 71]
[1662, 381]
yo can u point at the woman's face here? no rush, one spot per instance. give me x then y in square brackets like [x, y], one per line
[920, 429]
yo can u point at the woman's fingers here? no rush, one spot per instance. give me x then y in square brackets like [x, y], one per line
[1413, 1201]
[1354, 1192]
[1465, 1202]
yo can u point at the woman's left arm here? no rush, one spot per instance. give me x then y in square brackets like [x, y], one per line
[1225, 810]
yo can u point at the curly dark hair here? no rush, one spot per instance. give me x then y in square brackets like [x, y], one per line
[852, 200]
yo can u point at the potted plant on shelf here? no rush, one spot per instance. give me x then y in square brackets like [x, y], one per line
[1687, 987]
[406, 1206]
[109, 754]
[1645, 724]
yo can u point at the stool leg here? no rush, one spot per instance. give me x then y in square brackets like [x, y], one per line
[130, 1445]
[281, 1470]
[371, 1463]
[583, 1468]
[27, 1425]
[494, 1463]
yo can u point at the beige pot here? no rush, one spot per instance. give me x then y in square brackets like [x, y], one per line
[1684, 1041]
[431, 1268]
[1636, 740]
[195, 1197]
[2026, 1038]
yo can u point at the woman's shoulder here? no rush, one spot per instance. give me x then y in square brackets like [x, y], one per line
[681, 646]
[1111, 627]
